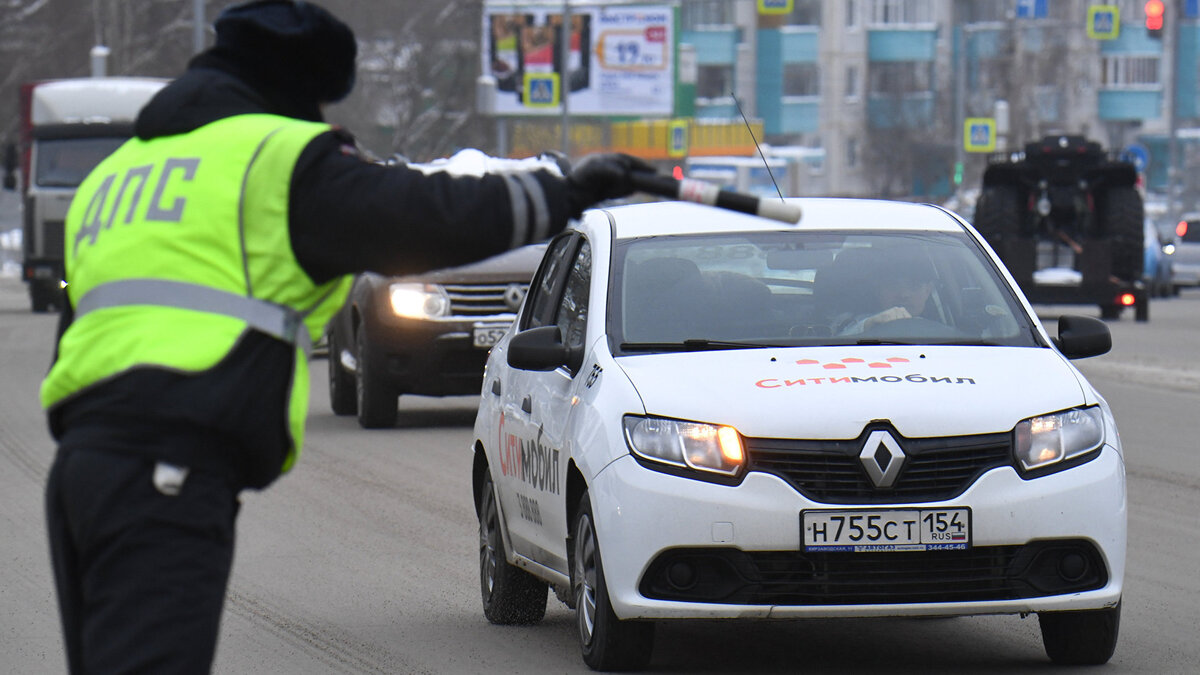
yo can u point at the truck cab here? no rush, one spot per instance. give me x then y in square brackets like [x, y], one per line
[67, 128]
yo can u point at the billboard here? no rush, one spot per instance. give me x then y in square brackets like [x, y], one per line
[618, 60]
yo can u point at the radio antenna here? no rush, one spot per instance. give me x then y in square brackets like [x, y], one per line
[757, 146]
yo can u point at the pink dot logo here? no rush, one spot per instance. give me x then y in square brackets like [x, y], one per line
[842, 364]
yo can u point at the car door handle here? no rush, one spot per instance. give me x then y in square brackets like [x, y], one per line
[496, 387]
[527, 404]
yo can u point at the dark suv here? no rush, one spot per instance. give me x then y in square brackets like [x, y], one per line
[426, 334]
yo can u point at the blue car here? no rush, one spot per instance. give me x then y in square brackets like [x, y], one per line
[1157, 271]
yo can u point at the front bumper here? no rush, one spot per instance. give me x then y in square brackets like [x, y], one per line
[434, 358]
[1186, 274]
[645, 519]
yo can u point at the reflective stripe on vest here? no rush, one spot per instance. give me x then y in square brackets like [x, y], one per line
[279, 321]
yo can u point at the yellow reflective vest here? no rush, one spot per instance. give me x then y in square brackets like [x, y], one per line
[178, 245]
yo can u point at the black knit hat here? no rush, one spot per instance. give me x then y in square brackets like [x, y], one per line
[294, 51]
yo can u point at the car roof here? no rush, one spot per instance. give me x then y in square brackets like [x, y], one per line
[673, 217]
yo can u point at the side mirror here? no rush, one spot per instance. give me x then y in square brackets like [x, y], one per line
[539, 348]
[1082, 336]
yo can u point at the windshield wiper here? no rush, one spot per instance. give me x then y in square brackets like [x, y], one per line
[693, 344]
[933, 342]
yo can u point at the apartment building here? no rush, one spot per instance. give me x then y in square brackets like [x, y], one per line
[883, 87]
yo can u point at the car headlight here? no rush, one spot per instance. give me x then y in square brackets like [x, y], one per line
[704, 447]
[1049, 442]
[419, 301]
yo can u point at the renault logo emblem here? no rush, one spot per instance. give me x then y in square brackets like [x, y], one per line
[882, 457]
[513, 295]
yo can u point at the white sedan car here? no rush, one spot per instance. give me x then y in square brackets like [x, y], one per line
[705, 415]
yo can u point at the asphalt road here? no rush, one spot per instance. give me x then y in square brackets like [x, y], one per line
[363, 560]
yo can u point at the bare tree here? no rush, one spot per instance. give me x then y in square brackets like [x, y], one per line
[907, 132]
[418, 63]
[417, 71]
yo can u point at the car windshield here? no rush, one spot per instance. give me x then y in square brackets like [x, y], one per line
[66, 162]
[799, 288]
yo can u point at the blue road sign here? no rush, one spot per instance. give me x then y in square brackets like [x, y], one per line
[1139, 155]
[1031, 9]
[1104, 22]
[979, 134]
[541, 89]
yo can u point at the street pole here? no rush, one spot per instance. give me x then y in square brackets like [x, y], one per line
[564, 56]
[197, 26]
[1174, 12]
[960, 89]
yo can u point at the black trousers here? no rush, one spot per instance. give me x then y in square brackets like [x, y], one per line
[141, 575]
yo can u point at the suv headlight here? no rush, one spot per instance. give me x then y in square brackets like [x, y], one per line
[1049, 442]
[419, 301]
[691, 445]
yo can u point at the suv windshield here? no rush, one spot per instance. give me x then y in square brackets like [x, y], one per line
[809, 288]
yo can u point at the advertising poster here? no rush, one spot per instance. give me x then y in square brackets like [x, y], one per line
[618, 60]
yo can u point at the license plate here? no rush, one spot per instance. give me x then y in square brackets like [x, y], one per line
[864, 530]
[486, 336]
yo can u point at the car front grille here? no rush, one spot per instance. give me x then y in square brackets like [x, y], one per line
[796, 578]
[52, 243]
[934, 469]
[484, 299]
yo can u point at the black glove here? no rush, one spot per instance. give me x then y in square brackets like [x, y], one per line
[602, 176]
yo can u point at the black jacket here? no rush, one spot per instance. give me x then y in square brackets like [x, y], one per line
[346, 215]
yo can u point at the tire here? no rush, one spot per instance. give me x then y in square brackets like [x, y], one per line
[1085, 638]
[511, 596]
[45, 296]
[377, 400]
[607, 643]
[1121, 214]
[343, 390]
[1111, 312]
[998, 215]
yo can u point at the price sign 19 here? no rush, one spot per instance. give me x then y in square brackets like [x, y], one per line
[644, 49]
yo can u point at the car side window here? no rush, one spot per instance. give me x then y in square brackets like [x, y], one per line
[572, 310]
[541, 307]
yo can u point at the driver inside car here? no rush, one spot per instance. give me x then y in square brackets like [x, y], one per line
[899, 298]
[898, 286]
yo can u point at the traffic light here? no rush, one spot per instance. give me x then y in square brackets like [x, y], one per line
[1155, 9]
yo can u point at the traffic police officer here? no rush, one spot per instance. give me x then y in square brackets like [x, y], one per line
[203, 256]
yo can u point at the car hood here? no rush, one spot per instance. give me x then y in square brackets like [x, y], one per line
[833, 392]
[515, 266]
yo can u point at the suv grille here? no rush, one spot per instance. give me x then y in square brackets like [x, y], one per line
[482, 299]
[935, 469]
[731, 576]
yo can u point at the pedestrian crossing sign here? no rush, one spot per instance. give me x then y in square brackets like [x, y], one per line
[979, 134]
[541, 90]
[1104, 22]
[775, 6]
[677, 139]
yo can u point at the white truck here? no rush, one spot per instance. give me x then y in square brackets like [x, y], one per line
[67, 127]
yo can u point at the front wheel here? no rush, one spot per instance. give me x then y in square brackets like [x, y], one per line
[1121, 214]
[607, 642]
[510, 595]
[998, 215]
[46, 296]
[343, 397]
[377, 399]
[1084, 638]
